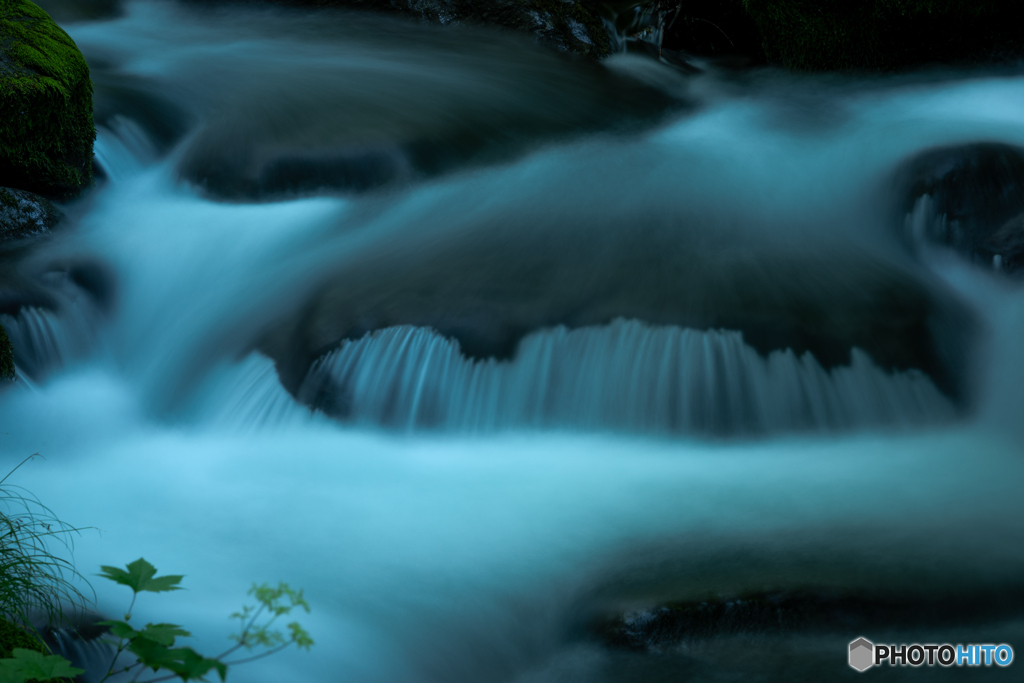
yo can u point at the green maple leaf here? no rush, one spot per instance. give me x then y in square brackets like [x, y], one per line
[25, 665]
[163, 634]
[190, 665]
[141, 576]
[185, 662]
[119, 629]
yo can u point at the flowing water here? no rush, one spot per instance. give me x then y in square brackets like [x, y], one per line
[483, 346]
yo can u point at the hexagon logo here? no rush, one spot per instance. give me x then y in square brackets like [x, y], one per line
[862, 654]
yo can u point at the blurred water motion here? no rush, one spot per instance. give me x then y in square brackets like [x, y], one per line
[535, 350]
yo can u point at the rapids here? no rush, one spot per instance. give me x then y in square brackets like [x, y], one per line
[480, 345]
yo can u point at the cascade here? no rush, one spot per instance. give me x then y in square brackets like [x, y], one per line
[487, 349]
[626, 375]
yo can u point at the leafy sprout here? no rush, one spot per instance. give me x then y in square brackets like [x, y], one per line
[153, 645]
[273, 603]
[32, 579]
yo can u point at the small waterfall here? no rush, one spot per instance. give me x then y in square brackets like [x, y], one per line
[248, 395]
[45, 340]
[94, 655]
[24, 380]
[123, 149]
[626, 375]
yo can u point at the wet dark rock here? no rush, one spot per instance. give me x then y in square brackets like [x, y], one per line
[671, 625]
[23, 214]
[46, 126]
[24, 219]
[969, 198]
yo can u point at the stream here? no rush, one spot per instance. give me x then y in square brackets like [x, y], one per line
[483, 347]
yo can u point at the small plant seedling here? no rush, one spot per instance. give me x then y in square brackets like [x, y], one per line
[154, 644]
[33, 579]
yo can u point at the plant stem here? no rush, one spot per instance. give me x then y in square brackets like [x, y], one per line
[259, 656]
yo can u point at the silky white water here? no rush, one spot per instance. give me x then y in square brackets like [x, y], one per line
[462, 517]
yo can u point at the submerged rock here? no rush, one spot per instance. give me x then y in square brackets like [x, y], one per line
[566, 25]
[969, 198]
[23, 214]
[417, 102]
[676, 625]
[46, 127]
[488, 259]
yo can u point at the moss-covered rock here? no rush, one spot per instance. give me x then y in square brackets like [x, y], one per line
[11, 635]
[883, 35]
[6, 361]
[46, 126]
[23, 214]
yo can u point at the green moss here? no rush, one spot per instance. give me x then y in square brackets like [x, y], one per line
[6, 357]
[13, 636]
[46, 127]
[883, 34]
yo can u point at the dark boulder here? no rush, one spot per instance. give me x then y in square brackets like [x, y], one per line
[23, 214]
[46, 126]
[969, 198]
